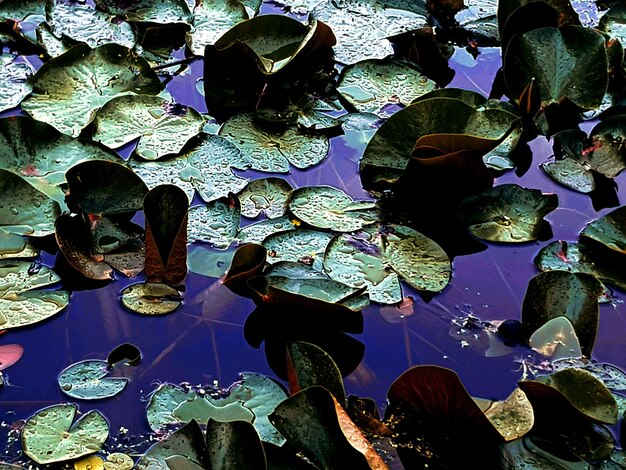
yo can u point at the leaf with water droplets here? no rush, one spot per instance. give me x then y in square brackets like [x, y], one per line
[512, 417]
[609, 230]
[269, 196]
[216, 222]
[15, 81]
[607, 151]
[87, 380]
[15, 246]
[303, 245]
[18, 10]
[188, 441]
[372, 84]
[119, 461]
[208, 261]
[234, 444]
[213, 18]
[52, 435]
[556, 339]
[273, 152]
[507, 213]
[259, 231]
[148, 11]
[68, 90]
[151, 298]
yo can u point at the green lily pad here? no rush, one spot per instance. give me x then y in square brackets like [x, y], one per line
[21, 303]
[362, 28]
[556, 339]
[68, 90]
[558, 293]
[259, 231]
[570, 173]
[81, 22]
[302, 245]
[15, 81]
[513, 417]
[17, 10]
[151, 298]
[187, 441]
[26, 211]
[613, 377]
[372, 84]
[15, 246]
[234, 444]
[212, 19]
[507, 213]
[205, 167]
[41, 155]
[53, 46]
[269, 196]
[148, 11]
[613, 22]
[609, 230]
[216, 222]
[271, 152]
[568, 62]
[163, 127]
[52, 435]
[87, 380]
[208, 261]
[608, 155]
[378, 258]
[326, 207]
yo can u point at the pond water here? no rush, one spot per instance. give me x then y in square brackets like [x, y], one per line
[202, 342]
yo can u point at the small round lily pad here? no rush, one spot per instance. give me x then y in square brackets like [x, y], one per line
[151, 298]
[87, 380]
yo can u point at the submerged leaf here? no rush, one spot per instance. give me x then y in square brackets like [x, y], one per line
[87, 380]
[15, 81]
[609, 230]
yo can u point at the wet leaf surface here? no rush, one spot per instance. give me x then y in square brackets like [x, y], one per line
[87, 380]
[151, 298]
[187, 441]
[556, 339]
[608, 154]
[234, 444]
[215, 223]
[15, 81]
[212, 18]
[163, 12]
[208, 262]
[609, 230]
[268, 196]
[259, 231]
[16, 246]
[512, 417]
[302, 245]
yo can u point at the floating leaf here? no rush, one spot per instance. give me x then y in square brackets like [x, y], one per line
[81, 22]
[87, 380]
[609, 230]
[18, 10]
[556, 339]
[303, 245]
[53, 46]
[330, 208]
[215, 222]
[269, 196]
[248, 262]
[507, 213]
[15, 246]
[9, 355]
[26, 211]
[271, 152]
[52, 435]
[15, 82]
[257, 232]
[570, 173]
[209, 262]
[512, 417]
[187, 441]
[119, 461]
[93, 462]
[234, 444]
[163, 127]
[213, 18]
[151, 298]
[69, 89]
[568, 62]
[558, 293]
[371, 84]
[124, 352]
[613, 377]
[608, 154]
[206, 167]
[375, 258]
[147, 11]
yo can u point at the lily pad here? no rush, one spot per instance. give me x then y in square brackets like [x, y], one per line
[188, 441]
[53, 46]
[52, 435]
[205, 167]
[568, 62]
[570, 173]
[81, 22]
[507, 213]
[512, 417]
[608, 154]
[556, 339]
[209, 262]
[379, 258]
[609, 230]
[303, 245]
[87, 380]
[558, 293]
[15, 81]
[15, 246]
[326, 207]
[234, 444]
[21, 303]
[273, 152]
[148, 11]
[216, 222]
[257, 232]
[269, 196]
[9, 355]
[68, 90]
[213, 18]
[26, 211]
[151, 298]
[248, 262]
[17, 10]
[163, 127]
[371, 85]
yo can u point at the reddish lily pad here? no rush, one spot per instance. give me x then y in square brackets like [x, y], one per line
[248, 262]
[609, 230]
[9, 355]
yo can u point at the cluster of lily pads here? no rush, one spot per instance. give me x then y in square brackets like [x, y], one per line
[316, 257]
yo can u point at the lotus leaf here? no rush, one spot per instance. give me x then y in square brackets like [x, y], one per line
[209, 262]
[269, 196]
[377, 258]
[15, 81]
[271, 152]
[83, 23]
[311, 365]
[148, 11]
[14, 246]
[163, 127]
[558, 293]
[20, 303]
[215, 223]
[234, 444]
[68, 90]
[151, 298]
[206, 167]
[41, 155]
[303, 245]
[568, 62]
[556, 339]
[87, 380]
[25, 210]
[363, 26]
[326, 207]
[609, 230]
[608, 154]
[388, 153]
[581, 389]
[52, 435]
[119, 461]
[371, 84]
[257, 232]
[316, 425]
[187, 441]
[213, 18]
[507, 213]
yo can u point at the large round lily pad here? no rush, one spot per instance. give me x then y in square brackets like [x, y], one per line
[259, 231]
[69, 89]
[87, 380]
[15, 81]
